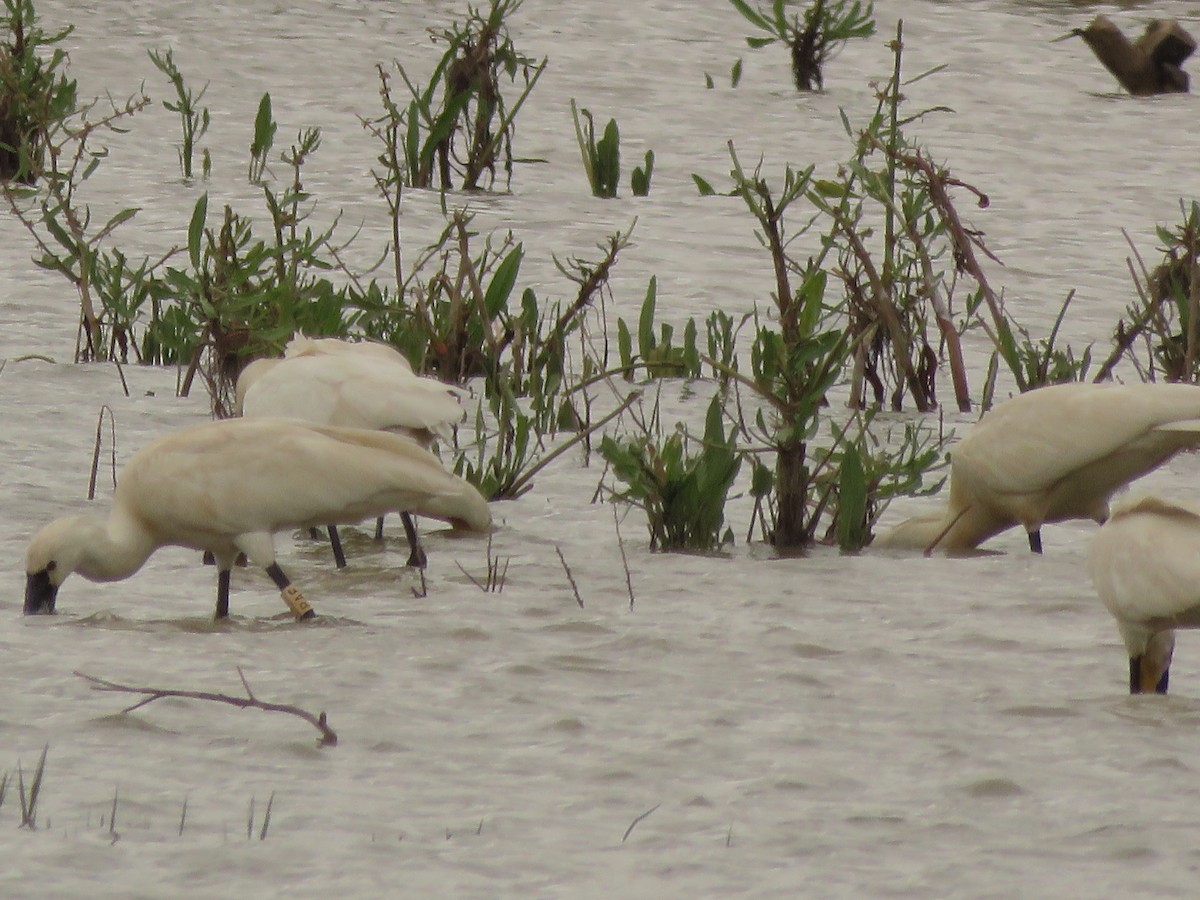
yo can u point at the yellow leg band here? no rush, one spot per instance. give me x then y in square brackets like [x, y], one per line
[296, 603]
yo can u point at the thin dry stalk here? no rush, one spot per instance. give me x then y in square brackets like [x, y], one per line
[112, 816]
[262, 835]
[570, 577]
[112, 422]
[29, 801]
[328, 737]
[624, 558]
[183, 815]
[634, 823]
[496, 576]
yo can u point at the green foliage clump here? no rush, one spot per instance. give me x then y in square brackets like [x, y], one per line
[36, 97]
[683, 494]
[813, 37]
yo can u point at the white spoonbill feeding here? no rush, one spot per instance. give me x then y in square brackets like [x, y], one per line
[327, 381]
[226, 487]
[1053, 454]
[1145, 564]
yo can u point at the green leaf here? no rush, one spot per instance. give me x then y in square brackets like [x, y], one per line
[625, 347]
[753, 16]
[608, 158]
[705, 189]
[264, 128]
[640, 180]
[852, 501]
[500, 288]
[646, 320]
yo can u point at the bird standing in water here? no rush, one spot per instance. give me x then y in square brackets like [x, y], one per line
[328, 381]
[226, 487]
[1052, 454]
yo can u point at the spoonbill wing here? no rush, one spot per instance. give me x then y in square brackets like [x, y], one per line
[263, 475]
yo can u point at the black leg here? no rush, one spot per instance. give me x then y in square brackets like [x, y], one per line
[379, 529]
[291, 594]
[223, 594]
[416, 555]
[1035, 540]
[336, 543]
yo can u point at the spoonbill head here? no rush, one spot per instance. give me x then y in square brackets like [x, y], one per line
[1145, 564]
[1053, 454]
[226, 487]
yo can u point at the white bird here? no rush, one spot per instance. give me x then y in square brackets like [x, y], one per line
[226, 487]
[1053, 454]
[1145, 564]
[328, 381]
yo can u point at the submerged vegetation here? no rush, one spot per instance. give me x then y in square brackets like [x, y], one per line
[812, 37]
[876, 282]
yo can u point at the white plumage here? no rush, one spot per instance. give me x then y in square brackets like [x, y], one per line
[328, 381]
[1145, 564]
[226, 487]
[1054, 454]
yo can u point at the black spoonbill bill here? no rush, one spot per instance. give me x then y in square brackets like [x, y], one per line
[1145, 564]
[226, 487]
[327, 381]
[1053, 454]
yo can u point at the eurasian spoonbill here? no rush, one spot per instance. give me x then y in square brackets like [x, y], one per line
[328, 381]
[1053, 454]
[1145, 564]
[226, 487]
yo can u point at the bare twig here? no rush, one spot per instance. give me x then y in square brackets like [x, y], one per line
[570, 577]
[328, 737]
[634, 823]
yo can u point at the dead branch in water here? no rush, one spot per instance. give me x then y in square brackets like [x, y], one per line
[328, 737]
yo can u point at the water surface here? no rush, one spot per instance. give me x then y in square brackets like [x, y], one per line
[872, 725]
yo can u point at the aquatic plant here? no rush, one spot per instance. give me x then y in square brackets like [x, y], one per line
[110, 289]
[1165, 320]
[682, 492]
[243, 296]
[813, 37]
[459, 124]
[193, 119]
[658, 354]
[265, 128]
[36, 97]
[602, 158]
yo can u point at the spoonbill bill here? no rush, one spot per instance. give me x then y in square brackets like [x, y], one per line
[1145, 564]
[226, 487]
[1053, 454]
[328, 381]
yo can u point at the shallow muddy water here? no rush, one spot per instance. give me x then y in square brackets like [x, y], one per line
[833, 726]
